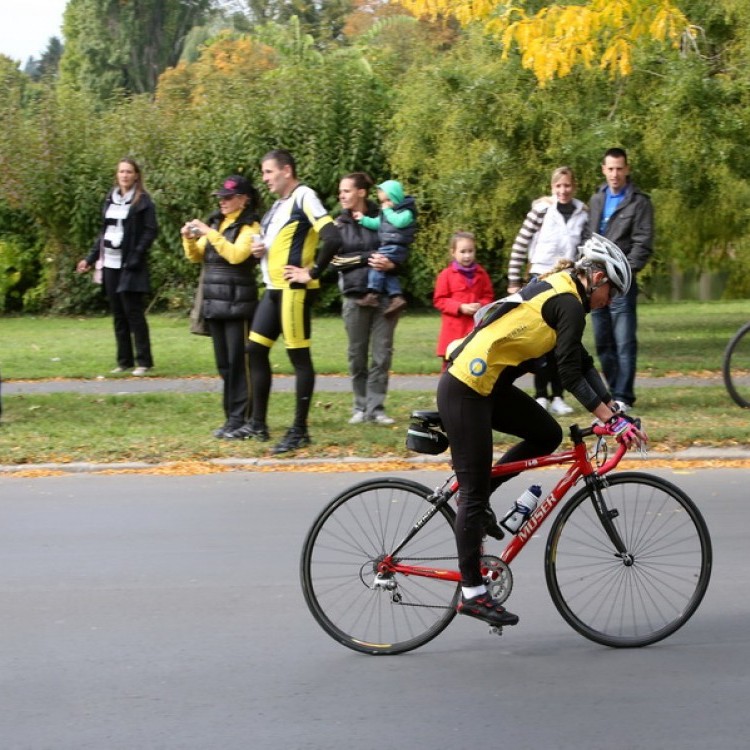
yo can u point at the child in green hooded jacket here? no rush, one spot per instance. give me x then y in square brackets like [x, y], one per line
[396, 226]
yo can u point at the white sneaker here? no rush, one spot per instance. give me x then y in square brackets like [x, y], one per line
[543, 402]
[357, 418]
[558, 406]
[117, 370]
[139, 372]
[383, 419]
[623, 407]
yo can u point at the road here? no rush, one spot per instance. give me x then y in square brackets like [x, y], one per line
[165, 613]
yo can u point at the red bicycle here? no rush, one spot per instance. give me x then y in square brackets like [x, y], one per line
[627, 560]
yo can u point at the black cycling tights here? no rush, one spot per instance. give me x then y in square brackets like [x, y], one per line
[261, 378]
[469, 420]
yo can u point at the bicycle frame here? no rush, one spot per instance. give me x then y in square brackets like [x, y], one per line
[580, 466]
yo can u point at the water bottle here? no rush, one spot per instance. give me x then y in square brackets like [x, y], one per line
[522, 508]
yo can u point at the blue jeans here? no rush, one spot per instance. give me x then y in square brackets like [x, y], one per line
[387, 281]
[615, 330]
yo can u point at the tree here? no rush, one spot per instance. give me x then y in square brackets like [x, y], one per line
[556, 38]
[228, 66]
[124, 45]
[15, 85]
[472, 135]
[48, 65]
[18, 232]
[324, 21]
[215, 117]
[476, 139]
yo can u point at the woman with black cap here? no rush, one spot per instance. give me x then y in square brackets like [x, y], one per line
[230, 291]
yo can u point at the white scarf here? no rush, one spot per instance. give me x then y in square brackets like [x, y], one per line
[116, 213]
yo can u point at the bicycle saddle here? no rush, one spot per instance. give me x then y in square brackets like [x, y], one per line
[428, 418]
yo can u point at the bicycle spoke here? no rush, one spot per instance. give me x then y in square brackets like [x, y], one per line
[649, 592]
[736, 367]
[390, 613]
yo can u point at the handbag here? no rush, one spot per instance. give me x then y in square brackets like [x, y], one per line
[97, 276]
[197, 321]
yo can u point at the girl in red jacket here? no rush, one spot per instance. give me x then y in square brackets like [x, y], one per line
[460, 290]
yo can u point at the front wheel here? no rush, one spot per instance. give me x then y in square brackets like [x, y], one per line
[358, 529]
[647, 593]
[736, 367]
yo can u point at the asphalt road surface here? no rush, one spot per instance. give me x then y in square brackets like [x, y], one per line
[149, 612]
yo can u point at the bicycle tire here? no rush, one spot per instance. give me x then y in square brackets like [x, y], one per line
[736, 367]
[338, 562]
[641, 600]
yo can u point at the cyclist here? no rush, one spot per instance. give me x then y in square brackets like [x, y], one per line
[477, 395]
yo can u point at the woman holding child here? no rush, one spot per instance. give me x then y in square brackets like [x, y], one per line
[370, 333]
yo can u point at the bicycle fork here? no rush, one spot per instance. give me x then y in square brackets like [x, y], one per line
[595, 485]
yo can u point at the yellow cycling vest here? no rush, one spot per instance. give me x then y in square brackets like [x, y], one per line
[300, 217]
[517, 335]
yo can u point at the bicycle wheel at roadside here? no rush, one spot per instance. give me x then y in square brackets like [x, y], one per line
[341, 568]
[647, 593]
[736, 367]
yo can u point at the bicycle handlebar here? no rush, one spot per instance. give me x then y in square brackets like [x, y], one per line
[578, 434]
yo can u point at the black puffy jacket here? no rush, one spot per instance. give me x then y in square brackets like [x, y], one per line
[230, 290]
[390, 234]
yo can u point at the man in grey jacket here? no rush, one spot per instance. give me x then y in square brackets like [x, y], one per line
[619, 211]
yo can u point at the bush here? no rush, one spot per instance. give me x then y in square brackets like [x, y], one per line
[19, 260]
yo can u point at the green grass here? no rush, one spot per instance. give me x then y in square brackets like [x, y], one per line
[153, 428]
[177, 427]
[36, 348]
[682, 337]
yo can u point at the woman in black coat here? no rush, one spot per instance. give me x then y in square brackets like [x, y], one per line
[128, 230]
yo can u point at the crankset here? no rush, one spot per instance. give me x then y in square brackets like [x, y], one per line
[497, 577]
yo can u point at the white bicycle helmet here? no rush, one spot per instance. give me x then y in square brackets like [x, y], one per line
[603, 252]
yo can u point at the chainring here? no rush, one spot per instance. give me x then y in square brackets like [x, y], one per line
[497, 577]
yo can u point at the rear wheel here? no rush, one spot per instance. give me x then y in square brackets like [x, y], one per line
[340, 557]
[736, 367]
[652, 590]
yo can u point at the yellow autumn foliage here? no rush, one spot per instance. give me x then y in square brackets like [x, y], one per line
[559, 37]
[227, 58]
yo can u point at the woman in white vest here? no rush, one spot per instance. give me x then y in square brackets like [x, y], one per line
[551, 230]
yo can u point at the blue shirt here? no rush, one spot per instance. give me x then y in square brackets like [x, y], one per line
[612, 202]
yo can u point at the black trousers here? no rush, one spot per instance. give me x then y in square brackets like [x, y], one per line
[546, 374]
[131, 329]
[469, 419]
[229, 338]
[287, 312]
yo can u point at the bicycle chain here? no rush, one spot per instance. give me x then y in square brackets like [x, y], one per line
[424, 606]
[424, 559]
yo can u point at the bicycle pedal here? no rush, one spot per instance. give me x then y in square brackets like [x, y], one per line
[496, 629]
